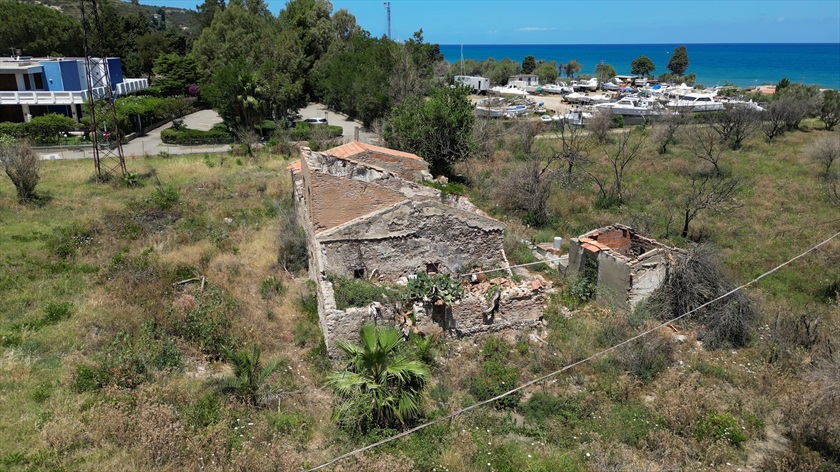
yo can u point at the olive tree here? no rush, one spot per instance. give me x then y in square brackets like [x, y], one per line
[824, 151]
[830, 109]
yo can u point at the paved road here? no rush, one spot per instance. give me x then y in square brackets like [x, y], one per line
[316, 110]
[151, 144]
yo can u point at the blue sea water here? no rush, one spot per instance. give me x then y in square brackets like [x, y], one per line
[714, 64]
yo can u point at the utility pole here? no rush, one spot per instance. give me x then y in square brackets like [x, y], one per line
[388, 15]
[109, 160]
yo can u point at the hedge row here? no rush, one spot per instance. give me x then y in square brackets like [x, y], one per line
[46, 129]
[303, 131]
[195, 136]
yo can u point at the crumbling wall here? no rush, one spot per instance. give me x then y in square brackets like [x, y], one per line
[482, 309]
[630, 266]
[406, 168]
[411, 238]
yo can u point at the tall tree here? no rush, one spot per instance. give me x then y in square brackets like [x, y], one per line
[642, 65]
[38, 30]
[678, 63]
[529, 64]
[174, 74]
[547, 72]
[437, 129]
[205, 12]
[604, 72]
[381, 386]
[571, 68]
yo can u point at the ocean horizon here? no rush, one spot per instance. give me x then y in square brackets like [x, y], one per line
[741, 64]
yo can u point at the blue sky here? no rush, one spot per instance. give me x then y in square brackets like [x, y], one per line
[593, 22]
[601, 22]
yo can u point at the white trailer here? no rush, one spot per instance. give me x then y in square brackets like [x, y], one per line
[477, 84]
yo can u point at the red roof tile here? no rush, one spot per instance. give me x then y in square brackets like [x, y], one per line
[294, 167]
[356, 147]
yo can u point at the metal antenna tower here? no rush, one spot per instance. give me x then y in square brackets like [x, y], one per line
[105, 129]
[388, 15]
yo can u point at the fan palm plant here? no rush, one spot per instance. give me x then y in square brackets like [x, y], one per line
[381, 386]
[249, 374]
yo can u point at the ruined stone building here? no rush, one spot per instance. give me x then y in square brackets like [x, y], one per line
[367, 215]
[627, 266]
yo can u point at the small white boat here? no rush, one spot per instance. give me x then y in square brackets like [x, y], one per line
[586, 85]
[696, 102]
[545, 119]
[557, 89]
[508, 90]
[577, 117]
[632, 106]
[602, 98]
[576, 98]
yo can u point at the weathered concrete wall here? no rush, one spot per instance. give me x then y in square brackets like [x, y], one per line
[575, 257]
[406, 239]
[647, 275]
[614, 280]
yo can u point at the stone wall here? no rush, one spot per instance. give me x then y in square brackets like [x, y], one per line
[411, 238]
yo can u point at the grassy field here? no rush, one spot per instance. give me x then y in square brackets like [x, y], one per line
[109, 360]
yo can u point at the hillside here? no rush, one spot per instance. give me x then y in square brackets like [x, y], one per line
[174, 16]
[118, 304]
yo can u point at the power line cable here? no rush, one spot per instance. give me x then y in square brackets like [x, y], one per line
[570, 366]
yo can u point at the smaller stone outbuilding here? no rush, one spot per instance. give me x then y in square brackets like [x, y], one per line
[627, 266]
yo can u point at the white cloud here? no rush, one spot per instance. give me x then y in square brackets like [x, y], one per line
[535, 28]
[493, 32]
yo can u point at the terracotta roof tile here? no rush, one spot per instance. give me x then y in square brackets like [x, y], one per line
[355, 147]
[294, 167]
[590, 247]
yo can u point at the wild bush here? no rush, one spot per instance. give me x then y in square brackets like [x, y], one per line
[720, 427]
[360, 292]
[694, 280]
[208, 324]
[645, 358]
[292, 252]
[22, 166]
[495, 376]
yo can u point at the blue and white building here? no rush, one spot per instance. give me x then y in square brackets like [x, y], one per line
[32, 87]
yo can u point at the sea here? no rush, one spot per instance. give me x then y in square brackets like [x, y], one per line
[744, 65]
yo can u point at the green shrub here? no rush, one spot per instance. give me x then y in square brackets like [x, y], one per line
[204, 412]
[195, 137]
[89, 378]
[56, 312]
[163, 198]
[541, 407]
[208, 324]
[647, 357]
[359, 292]
[580, 288]
[494, 379]
[720, 427]
[66, 242]
[271, 287]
